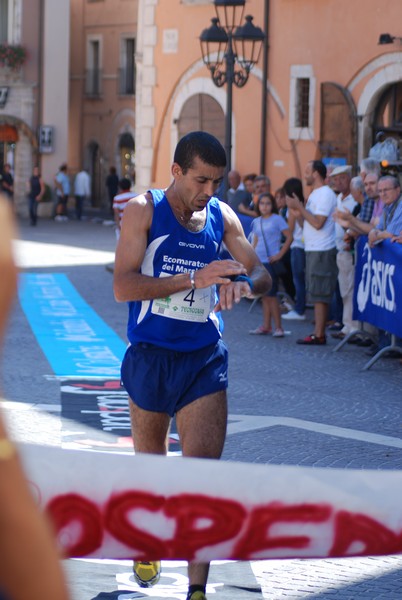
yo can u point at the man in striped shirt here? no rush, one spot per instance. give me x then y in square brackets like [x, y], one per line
[120, 201]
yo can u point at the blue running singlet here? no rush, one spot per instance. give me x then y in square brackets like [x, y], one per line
[183, 321]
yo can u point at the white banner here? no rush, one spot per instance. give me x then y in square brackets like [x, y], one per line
[148, 507]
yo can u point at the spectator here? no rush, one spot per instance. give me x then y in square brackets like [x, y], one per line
[361, 224]
[267, 231]
[36, 190]
[112, 184]
[82, 190]
[7, 182]
[248, 181]
[319, 239]
[262, 185]
[390, 224]
[238, 197]
[287, 277]
[120, 201]
[62, 184]
[293, 187]
[280, 199]
[389, 227]
[370, 211]
[344, 257]
[357, 191]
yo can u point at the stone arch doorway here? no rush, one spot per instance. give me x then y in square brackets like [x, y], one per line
[372, 97]
[388, 113]
[19, 148]
[8, 140]
[201, 112]
[127, 156]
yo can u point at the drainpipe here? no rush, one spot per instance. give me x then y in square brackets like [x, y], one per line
[264, 106]
[39, 115]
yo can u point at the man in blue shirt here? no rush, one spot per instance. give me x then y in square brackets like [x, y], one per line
[390, 225]
[62, 184]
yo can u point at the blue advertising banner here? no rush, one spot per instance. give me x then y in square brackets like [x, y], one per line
[378, 287]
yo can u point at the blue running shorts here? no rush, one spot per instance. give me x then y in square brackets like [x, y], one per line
[162, 380]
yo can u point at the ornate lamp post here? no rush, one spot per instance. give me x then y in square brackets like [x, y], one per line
[230, 50]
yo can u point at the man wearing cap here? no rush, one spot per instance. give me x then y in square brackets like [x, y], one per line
[341, 177]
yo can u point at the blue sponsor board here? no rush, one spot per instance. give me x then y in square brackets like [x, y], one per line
[74, 339]
[378, 285]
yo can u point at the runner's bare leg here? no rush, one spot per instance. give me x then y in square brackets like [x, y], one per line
[202, 430]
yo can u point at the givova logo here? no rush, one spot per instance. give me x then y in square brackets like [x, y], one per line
[376, 283]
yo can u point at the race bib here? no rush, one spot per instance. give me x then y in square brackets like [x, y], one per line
[190, 305]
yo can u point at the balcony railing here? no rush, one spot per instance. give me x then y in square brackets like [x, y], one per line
[126, 81]
[93, 83]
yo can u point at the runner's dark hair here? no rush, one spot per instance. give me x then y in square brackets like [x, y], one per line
[202, 145]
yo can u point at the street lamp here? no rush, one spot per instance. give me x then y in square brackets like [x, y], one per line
[230, 51]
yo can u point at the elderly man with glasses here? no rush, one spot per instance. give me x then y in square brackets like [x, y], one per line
[390, 224]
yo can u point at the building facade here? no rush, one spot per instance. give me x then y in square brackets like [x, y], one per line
[331, 87]
[102, 90]
[33, 90]
[72, 100]
[117, 83]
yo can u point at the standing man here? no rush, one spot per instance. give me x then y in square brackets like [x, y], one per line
[319, 240]
[112, 184]
[238, 197]
[344, 259]
[62, 184]
[7, 182]
[36, 191]
[370, 212]
[167, 267]
[82, 190]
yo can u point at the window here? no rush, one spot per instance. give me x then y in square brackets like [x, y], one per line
[93, 78]
[127, 68]
[196, 2]
[302, 102]
[3, 21]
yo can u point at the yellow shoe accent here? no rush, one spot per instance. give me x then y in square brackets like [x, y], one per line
[198, 596]
[147, 574]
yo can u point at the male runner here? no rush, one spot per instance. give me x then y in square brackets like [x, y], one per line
[167, 268]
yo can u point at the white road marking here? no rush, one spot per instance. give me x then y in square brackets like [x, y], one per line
[38, 254]
[243, 423]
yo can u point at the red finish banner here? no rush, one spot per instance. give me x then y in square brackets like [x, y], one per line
[148, 507]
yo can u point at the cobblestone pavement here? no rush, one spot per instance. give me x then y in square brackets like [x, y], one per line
[326, 411]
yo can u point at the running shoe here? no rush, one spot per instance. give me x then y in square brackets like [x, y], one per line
[278, 333]
[197, 596]
[294, 316]
[147, 574]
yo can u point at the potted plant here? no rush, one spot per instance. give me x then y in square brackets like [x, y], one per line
[12, 56]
